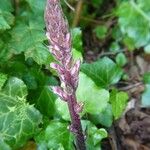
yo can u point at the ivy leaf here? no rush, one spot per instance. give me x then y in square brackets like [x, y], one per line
[15, 87]
[138, 31]
[40, 54]
[18, 119]
[4, 146]
[62, 109]
[6, 19]
[103, 72]
[46, 101]
[94, 135]
[95, 99]
[105, 118]
[29, 39]
[37, 5]
[118, 101]
[56, 135]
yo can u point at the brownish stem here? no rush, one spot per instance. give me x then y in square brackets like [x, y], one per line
[76, 123]
[78, 13]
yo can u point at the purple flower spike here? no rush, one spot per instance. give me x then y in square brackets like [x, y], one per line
[59, 38]
[59, 91]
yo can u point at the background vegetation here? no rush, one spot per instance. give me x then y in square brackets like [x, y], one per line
[111, 37]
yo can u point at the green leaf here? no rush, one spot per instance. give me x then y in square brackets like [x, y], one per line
[118, 101]
[94, 135]
[77, 39]
[77, 55]
[40, 54]
[29, 39]
[62, 109]
[100, 32]
[145, 96]
[6, 5]
[37, 5]
[18, 119]
[15, 87]
[3, 78]
[146, 77]
[134, 21]
[103, 72]
[6, 19]
[121, 59]
[4, 146]
[115, 47]
[46, 101]
[95, 99]
[105, 118]
[56, 136]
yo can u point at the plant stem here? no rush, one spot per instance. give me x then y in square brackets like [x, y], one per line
[76, 123]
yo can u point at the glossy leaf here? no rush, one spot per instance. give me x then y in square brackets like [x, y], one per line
[103, 72]
[29, 39]
[94, 135]
[118, 101]
[55, 136]
[15, 87]
[18, 120]
[94, 99]
[105, 118]
[46, 101]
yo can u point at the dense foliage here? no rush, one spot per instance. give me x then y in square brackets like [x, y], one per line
[29, 110]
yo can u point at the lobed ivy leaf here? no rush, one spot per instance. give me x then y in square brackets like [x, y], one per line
[94, 135]
[94, 99]
[56, 136]
[6, 18]
[29, 39]
[37, 5]
[103, 72]
[18, 120]
[46, 101]
[134, 22]
[118, 101]
[15, 87]
[62, 109]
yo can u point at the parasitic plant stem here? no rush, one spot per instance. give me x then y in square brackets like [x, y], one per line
[59, 38]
